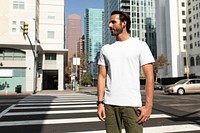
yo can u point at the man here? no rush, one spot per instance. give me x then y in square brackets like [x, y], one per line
[119, 98]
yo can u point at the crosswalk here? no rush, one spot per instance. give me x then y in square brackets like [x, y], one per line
[72, 113]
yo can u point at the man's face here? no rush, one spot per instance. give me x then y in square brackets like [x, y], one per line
[115, 25]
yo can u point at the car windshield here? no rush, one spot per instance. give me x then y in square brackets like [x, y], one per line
[181, 81]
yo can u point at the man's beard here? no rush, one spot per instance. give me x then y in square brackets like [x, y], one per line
[117, 31]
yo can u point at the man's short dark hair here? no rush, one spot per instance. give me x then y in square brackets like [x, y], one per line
[123, 17]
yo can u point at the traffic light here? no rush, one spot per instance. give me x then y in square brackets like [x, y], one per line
[25, 29]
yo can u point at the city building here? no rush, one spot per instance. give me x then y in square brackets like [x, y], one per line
[193, 37]
[73, 42]
[93, 37]
[35, 61]
[142, 14]
[171, 36]
[74, 33]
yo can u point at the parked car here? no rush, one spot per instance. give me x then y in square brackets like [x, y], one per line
[157, 86]
[183, 86]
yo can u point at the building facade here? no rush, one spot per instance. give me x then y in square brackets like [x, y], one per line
[193, 36]
[45, 21]
[93, 37]
[142, 14]
[74, 33]
[171, 36]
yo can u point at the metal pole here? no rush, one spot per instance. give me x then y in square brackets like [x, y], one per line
[35, 64]
[76, 59]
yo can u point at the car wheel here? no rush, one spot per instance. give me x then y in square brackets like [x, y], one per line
[180, 91]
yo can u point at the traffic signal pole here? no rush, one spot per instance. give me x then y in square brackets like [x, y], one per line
[25, 34]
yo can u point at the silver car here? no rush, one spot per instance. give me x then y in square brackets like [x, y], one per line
[184, 86]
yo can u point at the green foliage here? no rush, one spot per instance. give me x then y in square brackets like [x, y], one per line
[86, 79]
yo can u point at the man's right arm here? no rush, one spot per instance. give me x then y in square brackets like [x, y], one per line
[100, 91]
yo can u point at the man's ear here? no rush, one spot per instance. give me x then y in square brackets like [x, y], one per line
[124, 24]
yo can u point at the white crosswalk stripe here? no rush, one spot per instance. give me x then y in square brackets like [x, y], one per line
[75, 104]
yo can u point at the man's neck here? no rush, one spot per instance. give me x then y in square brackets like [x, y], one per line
[122, 37]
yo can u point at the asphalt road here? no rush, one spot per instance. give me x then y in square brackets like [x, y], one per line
[75, 112]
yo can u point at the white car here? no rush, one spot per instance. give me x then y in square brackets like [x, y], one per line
[183, 86]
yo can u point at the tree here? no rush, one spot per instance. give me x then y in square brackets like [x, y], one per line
[86, 78]
[159, 63]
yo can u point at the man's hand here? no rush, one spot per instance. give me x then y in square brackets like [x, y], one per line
[101, 112]
[145, 114]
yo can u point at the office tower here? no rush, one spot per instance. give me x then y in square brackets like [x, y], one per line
[142, 14]
[171, 35]
[93, 32]
[39, 64]
[193, 37]
[93, 36]
[74, 33]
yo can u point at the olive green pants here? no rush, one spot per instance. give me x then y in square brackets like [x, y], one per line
[116, 115]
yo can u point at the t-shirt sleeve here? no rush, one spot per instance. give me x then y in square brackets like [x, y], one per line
[146, 56]
[101, 60]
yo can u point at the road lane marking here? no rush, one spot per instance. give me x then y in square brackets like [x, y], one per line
[63, 103]
[6, 110]
[52, 107]
[52, 121]
[72, 100]
[59, 121]
[58, 98]
[50, 112]
[154, 116]
[160, 129]
[172, 128]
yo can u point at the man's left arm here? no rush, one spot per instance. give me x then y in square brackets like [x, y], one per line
[149, 88]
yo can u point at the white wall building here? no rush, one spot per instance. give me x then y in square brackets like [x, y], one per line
[171, 36]
[45, 21]
[193, 36]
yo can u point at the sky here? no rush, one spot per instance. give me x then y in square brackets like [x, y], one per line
[79, 6]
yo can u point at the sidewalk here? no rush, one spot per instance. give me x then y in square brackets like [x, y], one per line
[82, 89]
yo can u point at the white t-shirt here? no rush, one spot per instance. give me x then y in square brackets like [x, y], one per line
[123, 61]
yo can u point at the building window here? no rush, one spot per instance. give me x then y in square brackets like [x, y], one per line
[189, 11]
[190, 28]
[183, 12]
[50, 56]
[18, 4]
[189, 3]
[14, 22]
[14, 30]
[184, 38]
[183, 21]
[51, 15]
[50, 34]
[11, 54]
[198, 60]
[183, 4]
[184, 61]
[184, 46]
[190, 20]
[192, 61]
[184, 29]
[190, 37]
[191, 46]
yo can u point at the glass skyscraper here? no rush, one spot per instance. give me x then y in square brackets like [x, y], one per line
[93, 32]
[142, 14]
[93, 38]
